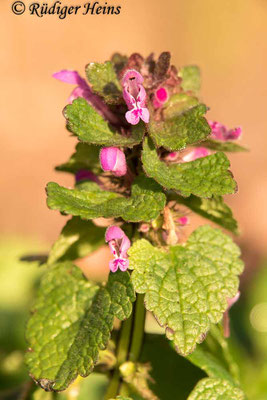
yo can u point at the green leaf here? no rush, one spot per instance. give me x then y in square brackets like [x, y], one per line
[213, 209]
[176, 133]
[122, 398]
[78, 238]
[145, 203]
[190, 75]
[85, 157]
[85, 122]
[178, 103]
[71, 322]
[219, 389]
[203, 177]
[208, 363]
[187, 288]
[104, 81]
[169, 370]
[223, 146]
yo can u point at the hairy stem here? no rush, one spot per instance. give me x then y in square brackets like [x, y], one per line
[138, 329]
[122, 353]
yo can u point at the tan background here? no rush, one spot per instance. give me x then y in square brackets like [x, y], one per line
[226, 38]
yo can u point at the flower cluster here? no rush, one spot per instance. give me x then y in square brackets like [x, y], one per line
[147, 87]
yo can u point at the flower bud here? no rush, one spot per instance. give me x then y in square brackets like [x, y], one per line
[113, 159]
[161, 96]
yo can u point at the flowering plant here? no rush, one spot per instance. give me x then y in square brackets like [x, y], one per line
[146, 163]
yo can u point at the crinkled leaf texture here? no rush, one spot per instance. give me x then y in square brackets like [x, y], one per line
[145, 203]
[178, 103]
[85, 122]
[85, 157]
[104, 81]
[204, 177]
[216, 389]
[213, 209]
[187, 288]
[78, 238]
[179, 131]
[218, 145]
[190, 75]
[71, 322]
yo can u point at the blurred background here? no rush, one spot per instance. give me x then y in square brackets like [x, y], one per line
[227, 39]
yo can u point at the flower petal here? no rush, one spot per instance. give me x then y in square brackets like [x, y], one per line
[114, 232]
[123, 265]
[132, 116]
[67, 76]
[113, 265]
[144, 115]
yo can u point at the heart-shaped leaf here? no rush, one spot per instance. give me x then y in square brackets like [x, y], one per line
[187, 288]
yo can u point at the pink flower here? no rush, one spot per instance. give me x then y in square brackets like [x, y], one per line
[134, 95]
[119, 244]
[183, 220]
[220, 132]
[113, 159]
[173, 156]
[84, 90]
[198, 152]
[226, 322]
[161, 96]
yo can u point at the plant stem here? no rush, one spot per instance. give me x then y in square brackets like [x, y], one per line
[138, 329]
[217, 333]
[122, 352]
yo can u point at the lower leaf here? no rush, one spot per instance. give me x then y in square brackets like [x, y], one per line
[71, 322]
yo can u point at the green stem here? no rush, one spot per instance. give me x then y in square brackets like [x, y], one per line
[138, 329]
[216, 332]
[122, 352]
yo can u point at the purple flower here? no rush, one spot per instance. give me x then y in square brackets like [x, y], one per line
[84, 90]
[220, 132]
[161, 96]
[134, 95]
[198, 152]
[119, 244]
[113, 159]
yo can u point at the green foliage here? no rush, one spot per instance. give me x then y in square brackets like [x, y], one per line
[213, 209]
[179, 131]
[178, 103]
[145, 203]
[203, 177]
[208, 363]
[78, 238]
[190, 75]
[104, 81]
[85, 157]
[174, 377]
[187, 287]
[71, 322]
[217, 145]
[85, 122]
[219, 389]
